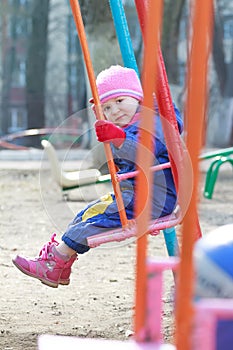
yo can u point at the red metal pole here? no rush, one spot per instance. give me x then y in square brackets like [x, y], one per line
[180, 161]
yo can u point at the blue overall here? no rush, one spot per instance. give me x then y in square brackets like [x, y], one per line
[102, 214]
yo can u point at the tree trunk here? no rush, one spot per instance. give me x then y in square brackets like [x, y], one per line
[220, 130]
[104, 51]
[170, 38]
[218, 54]
[8, 65]
[36, 65]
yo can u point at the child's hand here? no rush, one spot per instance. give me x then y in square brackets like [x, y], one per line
[106, 131]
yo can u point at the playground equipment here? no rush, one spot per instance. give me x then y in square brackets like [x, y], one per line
[214, 280]
[219, 157]
[69, 180]
[147, 319]
[174, 145]
[10, 141]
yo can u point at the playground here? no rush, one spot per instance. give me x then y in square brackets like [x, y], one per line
[109, 298]
[99, 301]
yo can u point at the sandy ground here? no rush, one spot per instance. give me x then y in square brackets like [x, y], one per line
[99, 301]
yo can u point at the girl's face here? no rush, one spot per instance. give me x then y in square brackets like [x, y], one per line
[120, 110]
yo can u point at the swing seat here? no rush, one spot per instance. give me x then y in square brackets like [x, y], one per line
[120, 234]
[69, 180]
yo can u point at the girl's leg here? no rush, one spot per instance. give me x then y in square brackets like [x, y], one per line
[53, 266]
[64, 249]
[100, 217]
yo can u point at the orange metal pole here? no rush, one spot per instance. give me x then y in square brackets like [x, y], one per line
[145, 157]
[195, 109]
[90, 71]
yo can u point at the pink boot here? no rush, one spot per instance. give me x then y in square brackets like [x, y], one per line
[50, 268]
[65, 275]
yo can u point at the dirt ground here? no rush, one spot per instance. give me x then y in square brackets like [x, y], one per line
[99, 300]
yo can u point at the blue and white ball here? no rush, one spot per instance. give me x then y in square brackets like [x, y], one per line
[213, 260]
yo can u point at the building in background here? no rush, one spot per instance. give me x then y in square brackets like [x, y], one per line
[64, 66]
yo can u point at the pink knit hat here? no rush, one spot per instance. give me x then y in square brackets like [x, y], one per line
[118, 81]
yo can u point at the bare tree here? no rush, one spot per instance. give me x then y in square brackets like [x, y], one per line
[221, 119]
[7, 70]
[218, 53]
[170, 38]
[36, 64]
[8, 59]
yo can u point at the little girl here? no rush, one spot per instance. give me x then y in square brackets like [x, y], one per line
[120, 93]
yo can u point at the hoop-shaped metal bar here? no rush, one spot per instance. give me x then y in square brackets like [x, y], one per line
[158, 167]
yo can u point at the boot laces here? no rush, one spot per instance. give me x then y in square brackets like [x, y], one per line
[45, 252]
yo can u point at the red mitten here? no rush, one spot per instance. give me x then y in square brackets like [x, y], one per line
[108, 132]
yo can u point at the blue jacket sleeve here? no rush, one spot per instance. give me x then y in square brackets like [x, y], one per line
[179, 119]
